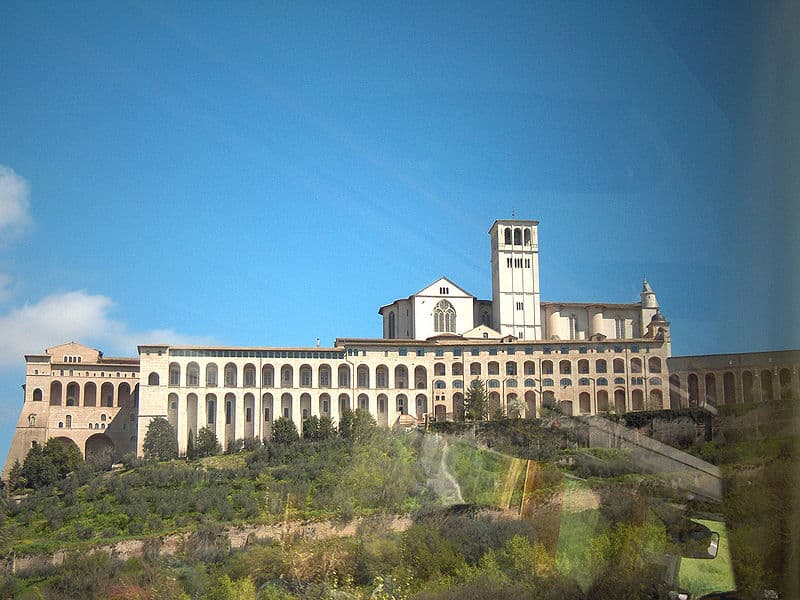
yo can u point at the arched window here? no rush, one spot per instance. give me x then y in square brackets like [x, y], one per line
[305, 376]
[392, 328]
[728, 388]
[192, 374]
[507, 236]
[766, 386]
[444, 317]
[325, 376]
[694, 393]
[362, 375]
[287, 376]
[212, 375]
[584, 402]
[564, 367]
[493, 368]
[656, 400]
[619, 365]
[547, 367]
[401, 377]
[249, 376]
[439, 369]
[382, 376]
[583, 381]
[458, 369]
[475, 368]
[636, 365]
[747, 386]
[601, 366]
[530, 383]
[566, 382]
[602, 401]
[493, 383]
[268, 376]
[511, 368]
[530, 367]
[785, 382]
[583, 366]
[174, 374]
[674, 392]
[637, 400]
[37, 395]
[518, 237]
[344, 376]
[602, 381]
[421, 377]
[69, 421]
[230, 375]
[654, 364]
[439, 384]
[152, 379]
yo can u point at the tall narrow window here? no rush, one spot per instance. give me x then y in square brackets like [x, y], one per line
[444, 317]
[573, 327]
[620, 327]
[392, 332]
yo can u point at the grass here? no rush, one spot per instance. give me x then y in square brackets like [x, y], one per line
[701, 576]
[479, 473]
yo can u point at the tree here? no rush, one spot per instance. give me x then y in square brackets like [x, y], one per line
[284, 432]
[160, 441]
[47, 464]
[475, 401]
[311, 428]
[206, 444]
[16, 481]
[190, 452]
[357, 425]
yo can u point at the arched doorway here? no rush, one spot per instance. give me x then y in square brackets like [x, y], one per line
[99, 449]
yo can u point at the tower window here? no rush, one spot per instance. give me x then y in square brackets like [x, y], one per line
[519, 305]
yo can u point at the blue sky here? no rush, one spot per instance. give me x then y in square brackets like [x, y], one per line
[270, 173]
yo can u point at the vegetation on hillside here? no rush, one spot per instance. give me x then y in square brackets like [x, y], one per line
[593, 525]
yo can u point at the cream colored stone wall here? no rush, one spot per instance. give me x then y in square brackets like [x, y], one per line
[423, 390]
[56, 402]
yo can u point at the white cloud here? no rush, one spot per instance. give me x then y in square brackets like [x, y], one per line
[14, 207]
[74, 316]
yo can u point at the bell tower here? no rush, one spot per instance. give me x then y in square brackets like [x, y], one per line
[516, 306]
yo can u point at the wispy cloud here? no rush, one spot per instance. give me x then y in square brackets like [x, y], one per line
[14, 206]
[74, 316]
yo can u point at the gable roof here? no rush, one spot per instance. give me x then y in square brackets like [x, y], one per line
[432, 289]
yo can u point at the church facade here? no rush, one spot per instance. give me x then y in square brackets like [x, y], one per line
[589, 357]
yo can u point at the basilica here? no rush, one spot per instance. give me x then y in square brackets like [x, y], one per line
[589, 357]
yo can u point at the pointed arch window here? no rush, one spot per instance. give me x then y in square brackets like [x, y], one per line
[444, 317]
